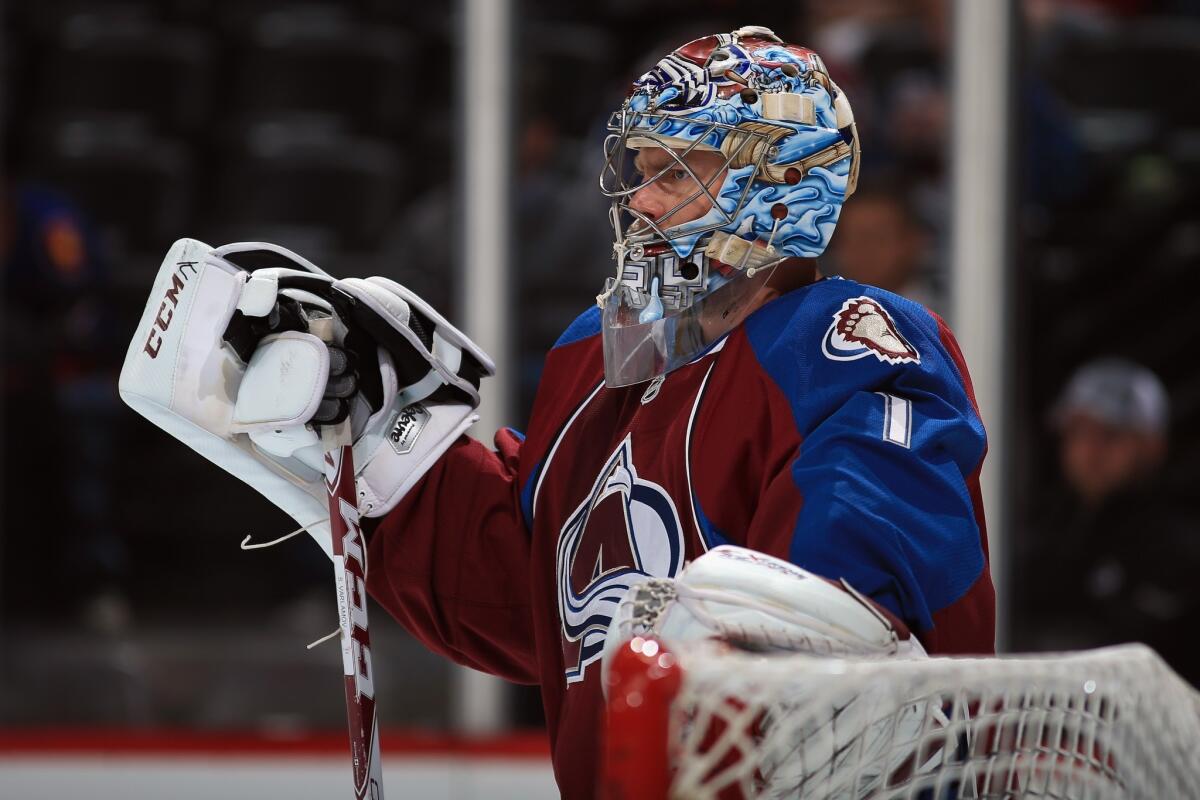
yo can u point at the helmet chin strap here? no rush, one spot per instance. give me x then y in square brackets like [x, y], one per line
[619, 249]
[750, 271]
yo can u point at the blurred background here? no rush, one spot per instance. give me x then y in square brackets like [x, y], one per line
[128, 615]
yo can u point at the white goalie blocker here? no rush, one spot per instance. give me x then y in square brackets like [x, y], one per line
[252, 417]
[762, 603]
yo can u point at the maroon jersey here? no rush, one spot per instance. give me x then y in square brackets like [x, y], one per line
[854, 457]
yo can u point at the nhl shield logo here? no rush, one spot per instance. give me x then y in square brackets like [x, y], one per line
[862, 327]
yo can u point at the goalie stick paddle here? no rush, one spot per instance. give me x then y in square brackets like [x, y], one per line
[350, 576]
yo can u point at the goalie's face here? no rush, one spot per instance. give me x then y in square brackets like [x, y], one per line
[672, 301]
[676, 186]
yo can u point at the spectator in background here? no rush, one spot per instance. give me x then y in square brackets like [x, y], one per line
[1113, 422]
[60, 361]
[880, 241]
[1115, 553]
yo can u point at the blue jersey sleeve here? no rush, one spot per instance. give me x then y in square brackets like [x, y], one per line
[891, 445]
[894, 518]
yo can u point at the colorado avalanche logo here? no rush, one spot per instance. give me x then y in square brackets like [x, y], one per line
[862, 327]
[625, 530]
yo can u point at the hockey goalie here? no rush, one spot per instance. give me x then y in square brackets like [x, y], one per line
[720, 391]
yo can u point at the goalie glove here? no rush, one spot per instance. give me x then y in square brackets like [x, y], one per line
[244, 365]
[757, 602]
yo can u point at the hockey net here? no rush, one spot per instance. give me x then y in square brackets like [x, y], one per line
[708, 722]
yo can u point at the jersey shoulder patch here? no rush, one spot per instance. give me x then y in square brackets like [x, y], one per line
[822, 343]
[585, 325]
[844, 320]
[863, 327]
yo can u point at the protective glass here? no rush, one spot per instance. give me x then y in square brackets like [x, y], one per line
[670, 300]
[638, 349]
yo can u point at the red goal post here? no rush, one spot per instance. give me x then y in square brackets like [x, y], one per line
[707, 721]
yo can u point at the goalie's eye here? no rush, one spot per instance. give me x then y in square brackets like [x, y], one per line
[679, 174]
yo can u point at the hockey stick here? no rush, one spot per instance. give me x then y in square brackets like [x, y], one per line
[350, 576]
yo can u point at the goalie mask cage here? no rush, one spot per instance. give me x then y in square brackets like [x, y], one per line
[710, 722]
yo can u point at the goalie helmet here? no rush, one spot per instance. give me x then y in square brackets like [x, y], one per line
[786, 137]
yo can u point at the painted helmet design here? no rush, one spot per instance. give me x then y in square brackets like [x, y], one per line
[786, 137]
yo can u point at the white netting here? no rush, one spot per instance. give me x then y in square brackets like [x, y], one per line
[1112, 723]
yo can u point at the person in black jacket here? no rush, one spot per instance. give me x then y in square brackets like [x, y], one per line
[1114, 552]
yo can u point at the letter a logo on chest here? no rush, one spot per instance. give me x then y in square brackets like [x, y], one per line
[626, 530]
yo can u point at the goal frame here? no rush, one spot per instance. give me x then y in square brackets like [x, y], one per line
[1157, 747]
